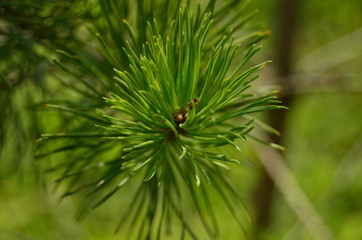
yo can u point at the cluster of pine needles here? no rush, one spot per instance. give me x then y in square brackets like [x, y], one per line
[153, 109]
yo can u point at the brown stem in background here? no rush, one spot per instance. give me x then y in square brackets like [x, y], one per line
[287, 18]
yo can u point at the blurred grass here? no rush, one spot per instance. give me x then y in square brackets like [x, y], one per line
[325, 156]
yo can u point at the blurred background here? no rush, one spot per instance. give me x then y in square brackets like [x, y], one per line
[317, 57]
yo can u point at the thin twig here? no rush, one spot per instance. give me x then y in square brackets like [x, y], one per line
[285, 182]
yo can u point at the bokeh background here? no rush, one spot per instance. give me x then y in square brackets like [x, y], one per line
[317, 64]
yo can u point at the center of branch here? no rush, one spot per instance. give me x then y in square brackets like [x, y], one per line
[179, 118]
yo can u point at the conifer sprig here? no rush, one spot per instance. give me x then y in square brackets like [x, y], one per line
[168, 102]
[168, 114]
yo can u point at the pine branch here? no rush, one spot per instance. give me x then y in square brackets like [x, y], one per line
[169, 106]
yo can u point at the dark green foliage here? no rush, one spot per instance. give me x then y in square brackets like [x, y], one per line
[29, 33]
